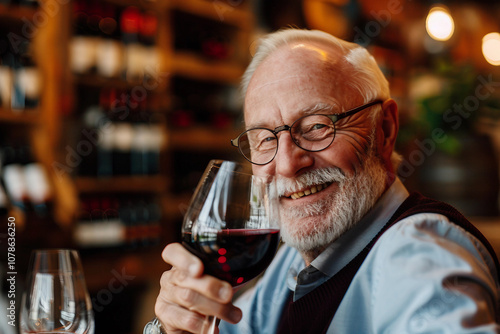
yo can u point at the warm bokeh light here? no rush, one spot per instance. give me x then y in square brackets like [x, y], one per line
[491, 48]
[439, 24]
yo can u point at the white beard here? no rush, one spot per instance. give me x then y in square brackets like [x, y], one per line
[309, 228]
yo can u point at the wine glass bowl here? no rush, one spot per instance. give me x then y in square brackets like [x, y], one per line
[232, 222]
[56, 299]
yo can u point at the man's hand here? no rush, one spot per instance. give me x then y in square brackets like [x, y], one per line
[187, 295]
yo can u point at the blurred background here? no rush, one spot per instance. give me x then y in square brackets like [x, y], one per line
[110, 111]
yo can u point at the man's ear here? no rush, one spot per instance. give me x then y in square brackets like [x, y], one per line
[390, 127]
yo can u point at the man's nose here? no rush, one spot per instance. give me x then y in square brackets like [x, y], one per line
[290, 158]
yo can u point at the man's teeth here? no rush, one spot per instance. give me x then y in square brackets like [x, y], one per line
[312, 190]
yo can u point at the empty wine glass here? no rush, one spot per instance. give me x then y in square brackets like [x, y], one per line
[231, 225]
[56, 299]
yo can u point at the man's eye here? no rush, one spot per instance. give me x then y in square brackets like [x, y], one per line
[267, 142]
[310, 128]
[317, 131]
[317, 126]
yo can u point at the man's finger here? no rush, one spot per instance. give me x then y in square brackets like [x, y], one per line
[176, 255]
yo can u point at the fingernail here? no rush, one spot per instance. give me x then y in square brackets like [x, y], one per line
[225, 293]
[193, 270]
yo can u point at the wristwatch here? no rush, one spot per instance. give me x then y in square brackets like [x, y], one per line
[153, 327]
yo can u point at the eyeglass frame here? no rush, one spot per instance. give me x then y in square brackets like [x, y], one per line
[334, 118]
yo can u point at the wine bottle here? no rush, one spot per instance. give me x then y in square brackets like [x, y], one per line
[13, 177]
[109, 50]
[148, 30]
[38, 187]
[27, 81]
[122, 143]
[122, 135]
[111, 228]
[133, 70]
[82, 226]
[92, 119]
[105, 152]
[155, 145]
[128, 216]
[83, 45]
[139, 152]
[106, 134]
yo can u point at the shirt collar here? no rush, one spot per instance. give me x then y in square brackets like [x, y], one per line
[345, 248]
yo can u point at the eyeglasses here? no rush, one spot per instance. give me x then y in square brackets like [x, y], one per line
[311, 133]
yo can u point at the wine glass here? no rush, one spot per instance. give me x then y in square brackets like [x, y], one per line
[232, 225]
[56, 299]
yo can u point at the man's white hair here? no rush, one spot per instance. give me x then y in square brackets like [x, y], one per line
[366, 78]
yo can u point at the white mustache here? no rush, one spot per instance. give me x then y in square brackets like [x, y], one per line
[319, 176]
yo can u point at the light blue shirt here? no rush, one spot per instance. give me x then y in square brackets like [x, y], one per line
[424, 275]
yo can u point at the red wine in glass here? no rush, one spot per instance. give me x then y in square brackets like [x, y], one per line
[235, 256]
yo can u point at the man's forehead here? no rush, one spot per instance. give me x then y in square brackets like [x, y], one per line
[314, 83]
[297, 81]
[298, 63]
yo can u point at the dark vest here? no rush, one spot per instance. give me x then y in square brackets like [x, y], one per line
[314, 312]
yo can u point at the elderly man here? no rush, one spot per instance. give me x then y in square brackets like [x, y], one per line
[361, 254]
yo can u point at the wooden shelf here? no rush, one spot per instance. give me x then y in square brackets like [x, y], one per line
[201, 138]
[221, 11]
[28, 116]
[194, 66]
[97, 81]
[126, 184]
[94, 80]
[14, 12]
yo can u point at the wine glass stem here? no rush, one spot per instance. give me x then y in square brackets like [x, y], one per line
[209, 325]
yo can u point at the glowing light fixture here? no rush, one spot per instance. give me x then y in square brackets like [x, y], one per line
[439, 24]
[491, 48]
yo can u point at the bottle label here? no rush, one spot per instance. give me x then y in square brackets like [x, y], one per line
[38, 187]
[29, 81]
[151, 61]
[142, 138]
[15, 183]
[83, 53]
[109, 58]
[134, 62]
[106, 137]
[100, 233]
[123, 136]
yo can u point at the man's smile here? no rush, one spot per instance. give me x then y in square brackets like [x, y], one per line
[308, 191]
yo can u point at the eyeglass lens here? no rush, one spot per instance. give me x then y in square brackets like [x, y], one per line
[311, 133]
